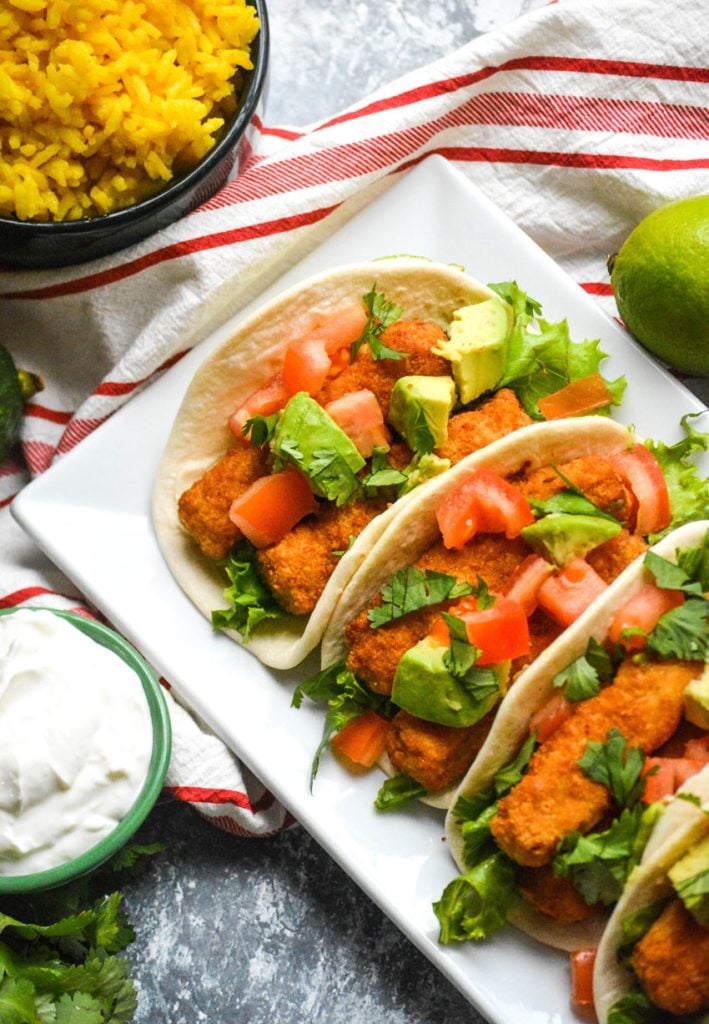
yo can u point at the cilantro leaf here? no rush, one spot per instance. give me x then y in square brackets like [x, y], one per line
[584, 675]
[410, 589]
[346, 698]
[251, 602]
[382, 314]
[398, 791]
[260, 429]
[672, 577]
[570, 501]
[682, 632]
[477, 904]
[542, 358]
[508, 776]
[599, 864]
[381, 473]
[615, 767]
[422, 468]
[689, 492]
[462, 654]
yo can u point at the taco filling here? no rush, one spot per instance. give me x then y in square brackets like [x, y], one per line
[518, 558]
[366, 406]
[562, 827]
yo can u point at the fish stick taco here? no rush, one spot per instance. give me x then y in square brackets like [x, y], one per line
[554, 814]
[475, 580]
[652, 963]
[303, 435]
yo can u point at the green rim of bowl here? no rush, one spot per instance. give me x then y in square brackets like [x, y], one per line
[155, 777]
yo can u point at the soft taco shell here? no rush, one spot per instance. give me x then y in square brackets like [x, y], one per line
[415, 527]
[682, 826]
[531, 691]
[254, 353]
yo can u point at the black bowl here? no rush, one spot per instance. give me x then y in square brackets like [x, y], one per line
[31, 244]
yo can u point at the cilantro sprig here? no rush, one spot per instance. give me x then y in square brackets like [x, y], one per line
[60, 962]
[582, 677]
[616, 766]
[382, 314]
[410, 589]
[345, 697]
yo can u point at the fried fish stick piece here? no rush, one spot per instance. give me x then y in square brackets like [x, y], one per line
[554, 896]
[375, 653]
[203, 509]
[434, 755]
[416, 337]
[592, 474]
[555, 797]
[610, 558]
[672, 962]
[494, 418]
[298, 567]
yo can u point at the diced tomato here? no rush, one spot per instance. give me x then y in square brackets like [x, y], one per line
[306, 366]
[526, 580]
[501, 631]
[550, 717]
[642, 611]
[641, 472]
[342, 329]
[360, 415]
[668, 775]
[362, 739]
[698, 749]
[271, 506]
[578, 397]
[263, 402]
[323, 350]
[582, 964]
[569, 592]
[484, 503]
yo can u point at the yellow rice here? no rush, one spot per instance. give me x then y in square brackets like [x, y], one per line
[103, 101]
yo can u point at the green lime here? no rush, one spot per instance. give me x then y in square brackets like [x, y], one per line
[660, 279]
[16, 386]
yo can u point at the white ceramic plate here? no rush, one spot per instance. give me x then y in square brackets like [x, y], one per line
[91, 515]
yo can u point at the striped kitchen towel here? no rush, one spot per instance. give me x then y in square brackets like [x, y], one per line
[576, 120]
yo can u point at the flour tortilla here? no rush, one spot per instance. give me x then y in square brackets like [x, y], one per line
[200, 435]
[682, 826]
[415, 527]
[533, 688]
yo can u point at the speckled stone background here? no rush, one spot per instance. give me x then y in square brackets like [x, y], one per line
[237, 931]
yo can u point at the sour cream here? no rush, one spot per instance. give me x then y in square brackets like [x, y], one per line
[75, 741]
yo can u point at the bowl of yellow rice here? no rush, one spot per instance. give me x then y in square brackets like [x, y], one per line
[119, 116]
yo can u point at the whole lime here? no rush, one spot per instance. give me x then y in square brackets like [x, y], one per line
[660, 280]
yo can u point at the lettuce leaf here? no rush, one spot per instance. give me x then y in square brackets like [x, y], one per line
[250, 600]
[477, 904]
[635, 1008]
[689, 492]
[542, 358]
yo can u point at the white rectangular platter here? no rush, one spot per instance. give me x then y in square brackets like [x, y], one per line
[91, 514]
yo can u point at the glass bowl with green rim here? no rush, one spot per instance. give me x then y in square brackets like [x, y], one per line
[155, 775]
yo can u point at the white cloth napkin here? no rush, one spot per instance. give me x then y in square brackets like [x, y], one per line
[576, 120]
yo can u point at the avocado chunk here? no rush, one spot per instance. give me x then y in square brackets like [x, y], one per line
[696, 700]
[424, 687]
[477, 346]
[690, 877]
[561, 537]
[419, 411]
[307, 438]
